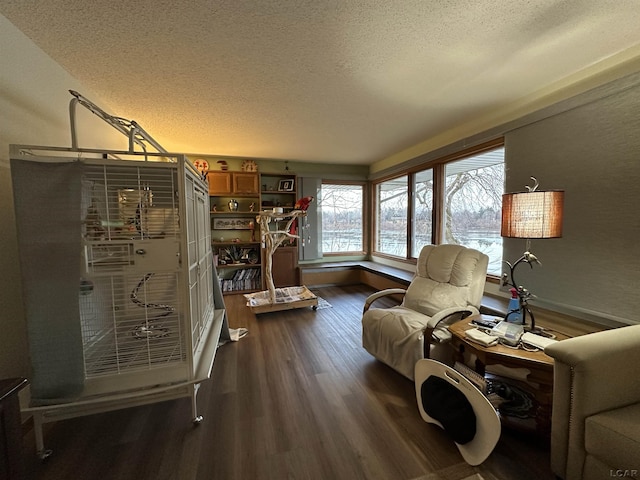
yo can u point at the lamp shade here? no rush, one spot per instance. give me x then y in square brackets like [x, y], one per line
[536, 214]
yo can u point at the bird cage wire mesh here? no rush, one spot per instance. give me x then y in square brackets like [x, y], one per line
[130, 320]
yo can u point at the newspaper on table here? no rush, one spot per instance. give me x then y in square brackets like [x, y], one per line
[283, 295]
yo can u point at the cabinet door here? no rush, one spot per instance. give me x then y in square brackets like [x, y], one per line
[245, 183]
[285, 267]
[219, 183]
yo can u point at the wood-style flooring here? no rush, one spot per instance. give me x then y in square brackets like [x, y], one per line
[297, 398]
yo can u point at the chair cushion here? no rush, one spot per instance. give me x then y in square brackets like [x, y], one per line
[452, 264]
[430, 297]
[614, 436]
[444, 278]
[395, 337]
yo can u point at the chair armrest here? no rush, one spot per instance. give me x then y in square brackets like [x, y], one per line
[446, 316]
[592, 373]
[447, 313]
[602, 366]
[436, 333]
[382, 293]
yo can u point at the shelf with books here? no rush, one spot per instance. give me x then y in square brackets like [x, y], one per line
[241, 280]
[239, 266]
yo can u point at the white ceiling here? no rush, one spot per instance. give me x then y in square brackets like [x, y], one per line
[336, 81]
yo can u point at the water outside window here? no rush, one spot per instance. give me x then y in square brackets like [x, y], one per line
[473, 204]
[393, 198]
[342, 223]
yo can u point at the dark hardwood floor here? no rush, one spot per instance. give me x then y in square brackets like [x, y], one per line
[297, 398]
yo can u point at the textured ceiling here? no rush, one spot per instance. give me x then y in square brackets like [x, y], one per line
[337, 81]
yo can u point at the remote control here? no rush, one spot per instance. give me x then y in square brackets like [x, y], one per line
[486, 322]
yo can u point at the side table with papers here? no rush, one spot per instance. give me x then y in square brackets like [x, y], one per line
[524, 379]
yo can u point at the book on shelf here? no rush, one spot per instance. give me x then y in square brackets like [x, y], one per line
[242, 279]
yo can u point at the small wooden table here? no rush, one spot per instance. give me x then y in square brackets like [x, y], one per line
[538, 383]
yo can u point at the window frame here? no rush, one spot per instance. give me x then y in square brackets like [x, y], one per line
[366, 208]
[439, 182]
[374, 211]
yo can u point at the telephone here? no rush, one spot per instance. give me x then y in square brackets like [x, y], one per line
[508, 332]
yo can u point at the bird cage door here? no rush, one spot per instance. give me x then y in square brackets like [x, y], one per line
[200, 266]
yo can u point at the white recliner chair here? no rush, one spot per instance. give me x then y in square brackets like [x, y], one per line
[448, 286]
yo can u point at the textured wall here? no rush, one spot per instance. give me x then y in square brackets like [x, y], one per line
[34, 101]
[592, 151]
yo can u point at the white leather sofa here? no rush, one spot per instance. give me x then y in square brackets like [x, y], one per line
[595, 427]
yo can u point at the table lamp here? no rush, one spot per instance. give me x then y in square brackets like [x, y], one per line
[531, 214]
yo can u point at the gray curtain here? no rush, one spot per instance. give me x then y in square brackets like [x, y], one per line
[47, 204]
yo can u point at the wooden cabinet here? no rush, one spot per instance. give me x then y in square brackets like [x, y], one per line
[233, 183]
[280, 190]
[235, 202]
[285, 267]
[234, 230]
[246, 182]
[219, 183]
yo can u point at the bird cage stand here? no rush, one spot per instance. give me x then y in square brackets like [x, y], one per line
[277, 299]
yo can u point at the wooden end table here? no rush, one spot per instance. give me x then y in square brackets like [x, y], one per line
[538, 383]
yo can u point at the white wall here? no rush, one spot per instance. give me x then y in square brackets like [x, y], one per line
[34, 102]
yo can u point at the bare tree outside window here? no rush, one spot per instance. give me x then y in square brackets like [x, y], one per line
[341, 206]
[422, 210]
[471, 200]
[393, 199]
[473, 204]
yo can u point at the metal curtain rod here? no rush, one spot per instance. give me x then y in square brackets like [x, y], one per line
[131, 129]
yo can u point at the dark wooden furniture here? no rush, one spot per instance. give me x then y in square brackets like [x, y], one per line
[227, 183]
[285, 267]
[537, 383]
[11, 459]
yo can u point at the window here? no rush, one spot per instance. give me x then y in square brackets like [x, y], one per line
[458, 198]
[422, 211]
[341, 207]
[473, 204]
[391, 225]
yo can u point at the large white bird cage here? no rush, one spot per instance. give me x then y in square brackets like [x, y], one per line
[117, 270]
